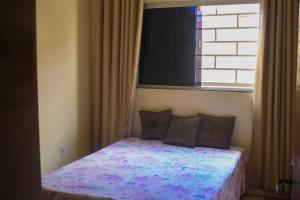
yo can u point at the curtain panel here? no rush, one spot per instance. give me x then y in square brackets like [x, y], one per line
[274, 97]
[115, 42]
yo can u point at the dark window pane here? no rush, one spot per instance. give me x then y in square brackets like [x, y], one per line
[168, 46]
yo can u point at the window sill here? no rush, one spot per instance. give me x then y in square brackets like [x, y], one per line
[216, 89]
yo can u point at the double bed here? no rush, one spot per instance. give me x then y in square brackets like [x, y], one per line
[148, 169]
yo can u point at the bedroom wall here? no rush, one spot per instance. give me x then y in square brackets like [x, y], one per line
[63, 81]
[189, 102]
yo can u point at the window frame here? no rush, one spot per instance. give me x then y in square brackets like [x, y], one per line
[152, 4]
[197, 88]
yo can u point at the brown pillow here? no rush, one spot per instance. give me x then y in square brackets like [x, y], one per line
[215, 131]
[183, 131]
[155, 124]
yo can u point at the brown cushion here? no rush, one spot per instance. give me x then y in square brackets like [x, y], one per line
[155, 124]
[183, 131]
[215, 131]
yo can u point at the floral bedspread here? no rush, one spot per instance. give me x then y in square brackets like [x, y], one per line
[145, 170]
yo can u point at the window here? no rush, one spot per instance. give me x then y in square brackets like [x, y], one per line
[210, 46]
[227, 45]
[168, 46]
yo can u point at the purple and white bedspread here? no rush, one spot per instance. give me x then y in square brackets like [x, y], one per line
[140, 169]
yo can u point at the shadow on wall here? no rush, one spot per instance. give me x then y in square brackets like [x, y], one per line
[83, 75]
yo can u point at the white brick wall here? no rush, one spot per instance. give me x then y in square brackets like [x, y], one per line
[228, 44]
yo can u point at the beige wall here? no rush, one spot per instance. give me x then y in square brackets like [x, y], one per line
[189, 102]
[63, 80]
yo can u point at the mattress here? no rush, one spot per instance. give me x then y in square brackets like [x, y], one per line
[148, 169]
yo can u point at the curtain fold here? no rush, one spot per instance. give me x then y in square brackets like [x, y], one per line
[115, 42]
[274, 97]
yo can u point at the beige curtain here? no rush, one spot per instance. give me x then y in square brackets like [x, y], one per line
[274, 94]
[116, 34]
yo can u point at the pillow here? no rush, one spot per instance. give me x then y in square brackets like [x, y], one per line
[215, 131]
[155, 124]
[183, 131]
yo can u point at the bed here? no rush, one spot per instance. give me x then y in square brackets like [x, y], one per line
[148, 169]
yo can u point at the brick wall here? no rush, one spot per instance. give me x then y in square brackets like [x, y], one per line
[227, 43]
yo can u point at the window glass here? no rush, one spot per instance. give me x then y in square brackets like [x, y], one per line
[228, 45]
[213, 45]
